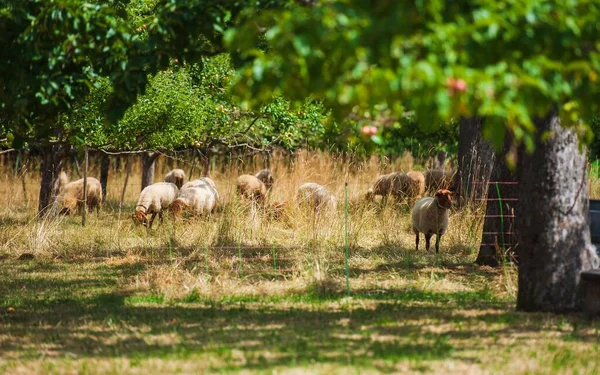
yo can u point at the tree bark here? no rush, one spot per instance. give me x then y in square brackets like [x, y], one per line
[148, 163]
[128, 163]
[52, 161]
[498, 241]
[553, 222]
[104, 169]
[475, 160]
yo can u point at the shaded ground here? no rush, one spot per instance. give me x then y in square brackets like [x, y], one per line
[94, 317]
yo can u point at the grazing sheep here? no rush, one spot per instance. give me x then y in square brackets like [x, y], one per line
[154, 199]
[416, 184]
[266, 177]
[176, 176]
[195, 200]
[204, 181]
[316, 196]
[250, 187]
[430, 216]
[436, 179]
[72, 196]
[397, 184]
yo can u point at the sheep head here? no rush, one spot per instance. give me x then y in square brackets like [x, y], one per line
[177, 207]
[444, 198]
[140, 218]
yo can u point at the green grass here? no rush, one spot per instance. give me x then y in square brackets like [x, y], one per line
[64, 317]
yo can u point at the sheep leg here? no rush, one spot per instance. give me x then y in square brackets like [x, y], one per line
[151, 221]
[428, 240]
[160, 218]
[437, 243]
[416, 241]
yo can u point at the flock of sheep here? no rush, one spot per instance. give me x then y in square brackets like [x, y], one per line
[200, 197]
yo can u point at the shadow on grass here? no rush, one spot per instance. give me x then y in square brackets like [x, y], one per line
[83, 311]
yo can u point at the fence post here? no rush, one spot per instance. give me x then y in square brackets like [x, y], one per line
[346, 238]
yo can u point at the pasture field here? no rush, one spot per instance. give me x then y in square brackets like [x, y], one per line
[241, 293]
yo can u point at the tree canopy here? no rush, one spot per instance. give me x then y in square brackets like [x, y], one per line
[507, 61]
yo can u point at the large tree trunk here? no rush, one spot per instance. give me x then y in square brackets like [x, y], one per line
[52, 161]
[498, 240]
[475, 160]
[104, 169]
[148, 160]
[553, 222]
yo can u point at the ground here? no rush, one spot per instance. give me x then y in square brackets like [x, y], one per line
[240, 293]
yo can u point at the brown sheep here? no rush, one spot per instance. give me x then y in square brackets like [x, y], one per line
[72, 197]
[416, 184]
[251, 188]
[266, 177]
[394, 184]
[176, 176]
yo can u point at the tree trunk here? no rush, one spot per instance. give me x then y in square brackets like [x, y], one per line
[148, 160]
[52, 161]
[475, 160]
[498, 240]
[206, 162]
[128, 163]
[193, 159]
[104, 169]
[553, 222]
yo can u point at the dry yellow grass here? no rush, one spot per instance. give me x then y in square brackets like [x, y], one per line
[238, 292]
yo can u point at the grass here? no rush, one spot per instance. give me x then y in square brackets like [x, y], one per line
[205, 296]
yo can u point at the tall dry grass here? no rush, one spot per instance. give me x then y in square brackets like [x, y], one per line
[235, 249]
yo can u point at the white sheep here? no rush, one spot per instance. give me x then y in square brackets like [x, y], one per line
[200, 182]
[72, 196]
[176, 176]
[195, 200]
[430, 216]
[154, 199]
[316, 196]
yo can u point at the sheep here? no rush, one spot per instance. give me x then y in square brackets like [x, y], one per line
[397, 184]
[154, 199]
[250, 187]
[72, 196]
[436, 179]
[266, 177]
[204, 181]
[176, 176]
[316, 196]
[197, 200]
[430, 216]
[416, 184]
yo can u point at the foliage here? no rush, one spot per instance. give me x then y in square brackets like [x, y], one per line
[58, 48]
[508, 61]
[191, 106]
[595, 144]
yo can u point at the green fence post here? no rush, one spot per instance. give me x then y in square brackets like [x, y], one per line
[346, 240]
